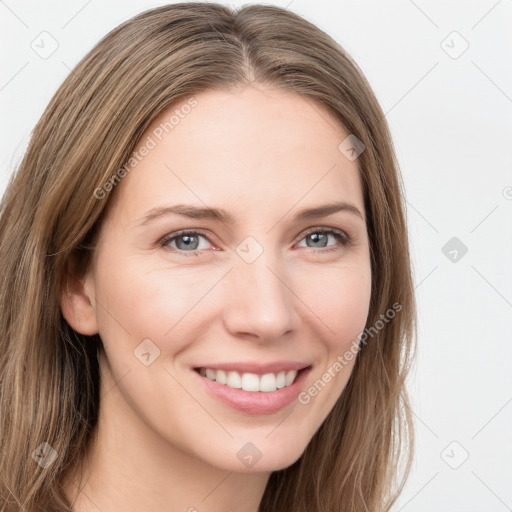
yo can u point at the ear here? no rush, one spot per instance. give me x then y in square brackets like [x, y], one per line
[78, 304]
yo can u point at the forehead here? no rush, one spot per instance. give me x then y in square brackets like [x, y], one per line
[257, 146]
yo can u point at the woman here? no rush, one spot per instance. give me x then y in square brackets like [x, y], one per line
[207, 300]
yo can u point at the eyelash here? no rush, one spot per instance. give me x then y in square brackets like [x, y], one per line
[340, 236]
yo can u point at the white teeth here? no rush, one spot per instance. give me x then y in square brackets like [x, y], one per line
[290, 377]
[234, 380]
[281, 380]
[268, 382]
[221, 377]
[251, 381]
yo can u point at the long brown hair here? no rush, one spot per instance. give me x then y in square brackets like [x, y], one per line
[49, 375]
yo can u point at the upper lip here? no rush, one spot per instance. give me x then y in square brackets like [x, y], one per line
[258, 368]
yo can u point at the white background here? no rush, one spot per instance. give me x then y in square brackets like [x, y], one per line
[451, 123]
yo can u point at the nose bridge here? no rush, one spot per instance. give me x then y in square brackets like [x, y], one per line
[261, 301]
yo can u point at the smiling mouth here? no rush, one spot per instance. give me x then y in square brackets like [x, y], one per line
[254, 382]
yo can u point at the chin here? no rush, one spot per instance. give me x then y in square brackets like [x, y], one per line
[262, 456]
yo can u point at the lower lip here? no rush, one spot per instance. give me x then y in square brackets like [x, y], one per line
[255, 402]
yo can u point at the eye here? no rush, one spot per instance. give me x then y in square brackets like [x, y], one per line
[185, 242]
[320, 239]
[189, 243]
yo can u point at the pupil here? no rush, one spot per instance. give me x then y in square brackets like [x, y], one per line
[188, 241]
[316, 237]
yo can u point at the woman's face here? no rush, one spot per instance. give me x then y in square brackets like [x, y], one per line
[249, 297]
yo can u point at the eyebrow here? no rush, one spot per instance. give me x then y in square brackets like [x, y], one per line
[195, 212]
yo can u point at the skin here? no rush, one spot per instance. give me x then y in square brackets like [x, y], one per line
[163, 442]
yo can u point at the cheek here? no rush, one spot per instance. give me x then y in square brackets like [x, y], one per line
[153, 302]
[340, 300]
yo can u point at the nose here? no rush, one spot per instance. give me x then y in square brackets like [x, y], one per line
[261, 301]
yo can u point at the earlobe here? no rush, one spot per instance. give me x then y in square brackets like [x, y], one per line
[78, 305]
